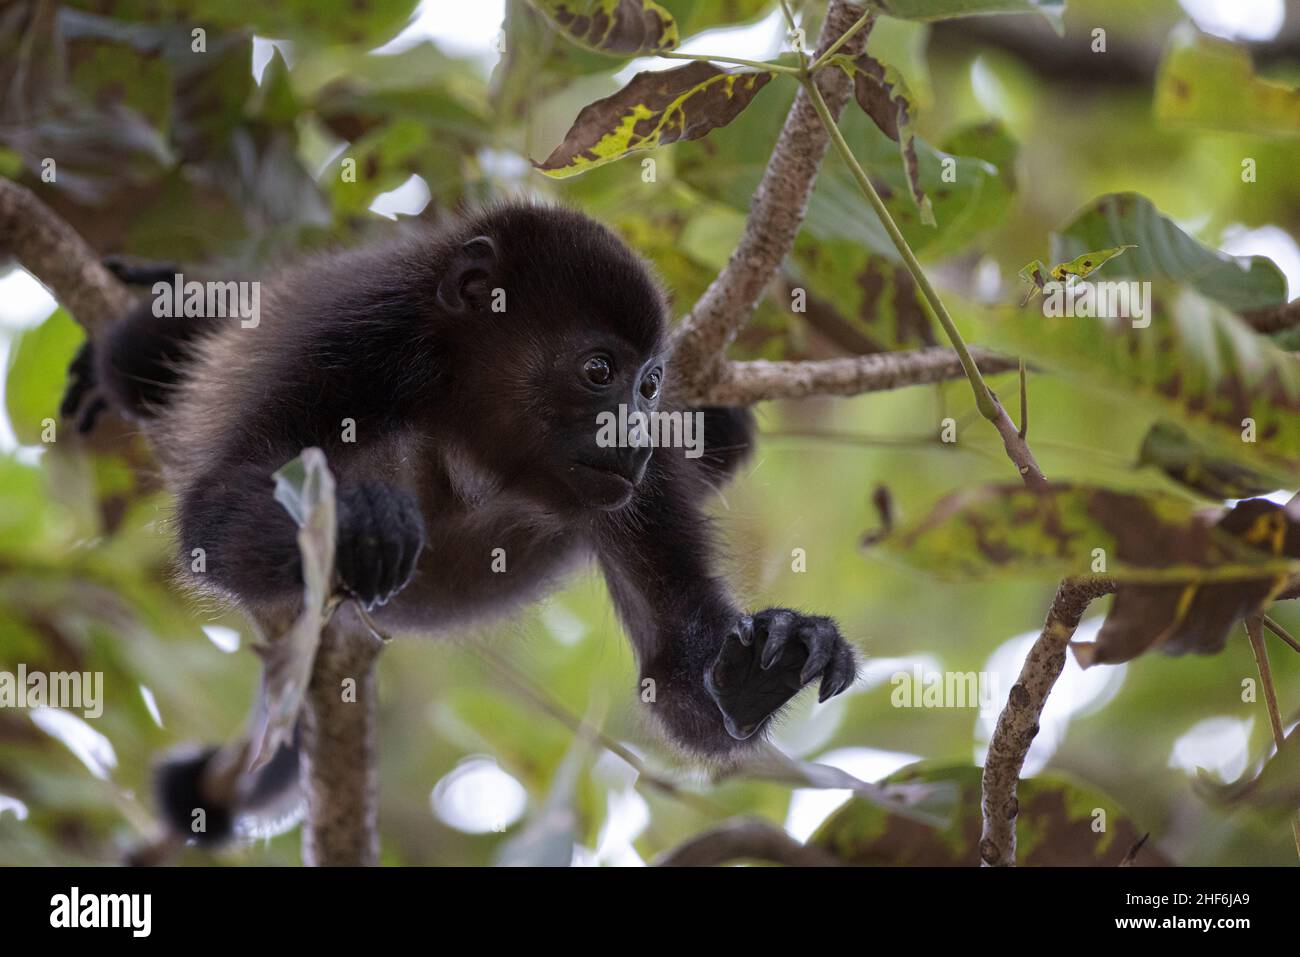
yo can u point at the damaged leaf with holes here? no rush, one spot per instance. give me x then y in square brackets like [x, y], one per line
[1037, 274]
[655, 109]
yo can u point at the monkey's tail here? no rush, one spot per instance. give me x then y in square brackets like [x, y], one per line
[203, 796]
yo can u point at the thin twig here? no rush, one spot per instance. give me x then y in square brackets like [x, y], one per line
[848, 34]
[1256, 635]
[737, 61]
[988, 404]
[543, 702]
[1282, 633]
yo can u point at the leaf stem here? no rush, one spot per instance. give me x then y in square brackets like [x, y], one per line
[983, 398]
[1255, 633]
[755, 64]
[844, 38]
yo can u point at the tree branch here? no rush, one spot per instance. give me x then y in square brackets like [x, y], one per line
[744, 383]
[339, 749]
[52, 251]
[1276, 318]
[774, 220]
[1018, 723]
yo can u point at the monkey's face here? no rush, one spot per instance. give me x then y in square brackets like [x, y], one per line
[605, 395]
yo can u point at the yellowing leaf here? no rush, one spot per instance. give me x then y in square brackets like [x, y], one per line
[625, 27]
[1207, 82]
[653, 110]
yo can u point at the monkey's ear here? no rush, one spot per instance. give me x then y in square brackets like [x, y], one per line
[465, 285]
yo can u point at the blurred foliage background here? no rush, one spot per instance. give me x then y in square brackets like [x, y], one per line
[229, 160]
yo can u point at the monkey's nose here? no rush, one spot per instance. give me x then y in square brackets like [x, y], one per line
[633, 461]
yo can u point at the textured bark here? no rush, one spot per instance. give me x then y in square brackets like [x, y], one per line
[1018, 723]
[744, 383]
[774, 220]
[52, 251]
[340, 764]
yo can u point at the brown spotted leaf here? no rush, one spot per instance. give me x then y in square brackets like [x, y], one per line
[651, 111]
[621, 27]
[883, 95]
[1189, 463]
[1172, 351]
[1196, 616]
[1001, 531]
[1058, 826]
[872, 301]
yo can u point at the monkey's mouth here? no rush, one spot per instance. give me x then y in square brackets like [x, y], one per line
[600, 486]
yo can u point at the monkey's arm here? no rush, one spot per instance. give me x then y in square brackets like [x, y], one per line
[716, 676]
[237, 537]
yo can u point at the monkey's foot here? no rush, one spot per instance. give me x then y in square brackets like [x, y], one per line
[767, 657]
[381, 535]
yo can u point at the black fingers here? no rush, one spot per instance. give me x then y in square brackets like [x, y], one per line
[842, 672]
[82, 385]
[380, 537]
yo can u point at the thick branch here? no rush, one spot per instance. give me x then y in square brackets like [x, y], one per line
[745, 840]
[339, 741]
[774, 220]
[1275, 319]
[52, 251]
[1018, 722]
[743, 383]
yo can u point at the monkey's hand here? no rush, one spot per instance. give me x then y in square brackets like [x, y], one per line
[380, 537]
[767, 657]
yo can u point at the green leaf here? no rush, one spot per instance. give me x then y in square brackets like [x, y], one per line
[968, 204]
[1189, 463]
[1210, 83]
[1001, 531]
[1166, 252]
[37, 373]
[618, 27]
[1188, 360]
[1051, 10]
[366, 22]
[1056, 825]
[694, 16]
[874, 297]
[651, 111]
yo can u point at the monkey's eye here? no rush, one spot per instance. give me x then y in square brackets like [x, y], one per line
[598, 370]
[650, 385]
